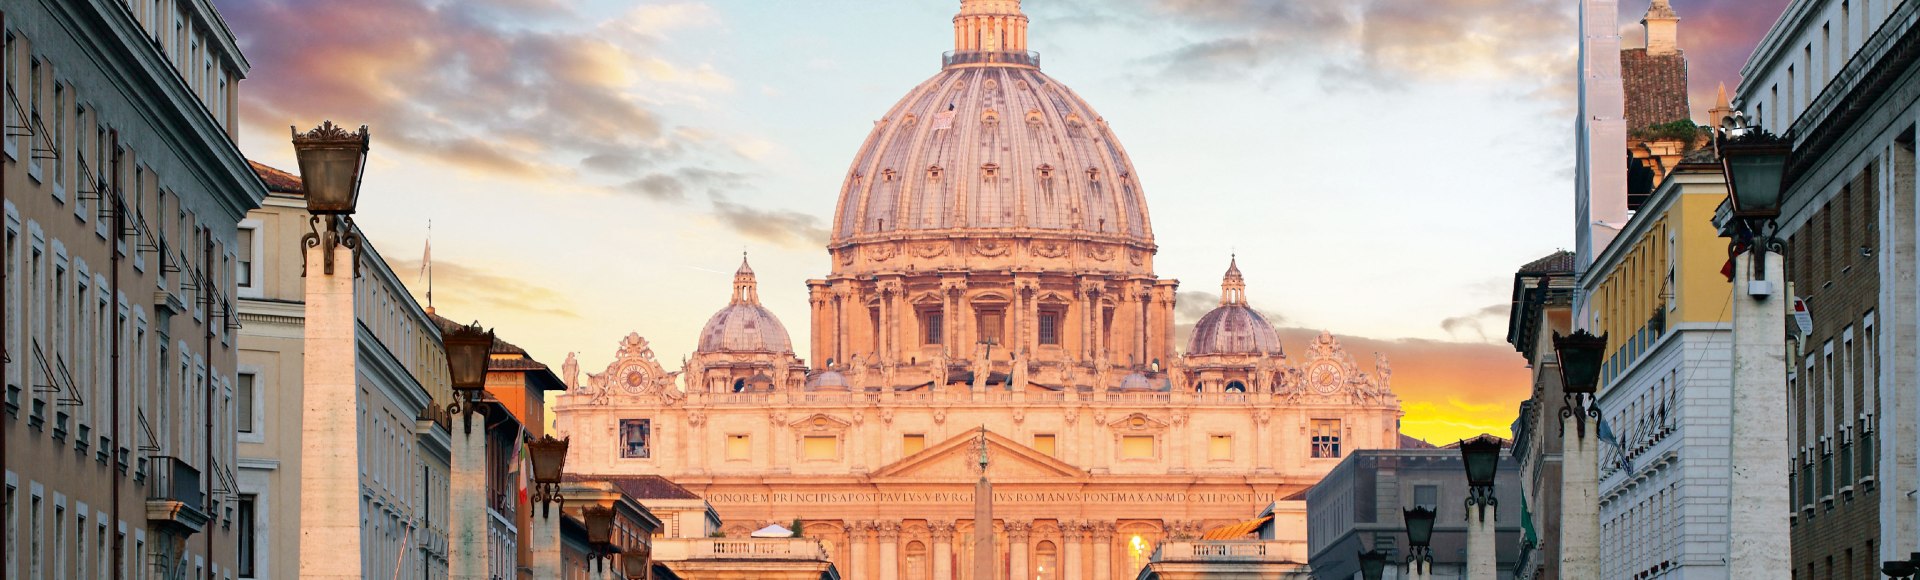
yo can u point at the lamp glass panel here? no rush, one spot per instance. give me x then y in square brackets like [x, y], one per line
[1756, 180]
[328, 177]
[1419, 526]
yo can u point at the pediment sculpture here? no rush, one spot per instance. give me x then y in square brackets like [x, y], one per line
[1329, 374]
[633, 372]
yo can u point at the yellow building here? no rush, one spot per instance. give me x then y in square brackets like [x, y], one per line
[1658, 295]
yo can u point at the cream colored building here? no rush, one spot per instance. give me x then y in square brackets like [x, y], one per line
[404, 445]
[122, 189]
[992, 268]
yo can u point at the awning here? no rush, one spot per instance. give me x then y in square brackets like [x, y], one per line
[1236, 531]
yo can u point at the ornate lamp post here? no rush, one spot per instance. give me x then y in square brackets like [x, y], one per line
[467, 350]
[1755, 163]
[1482, 458]
[599, 524]
[549, 457]
[1419, 541]
[1373, 564]
[332, 162]
[1898, 569]
[1579, 356]
[637, 564]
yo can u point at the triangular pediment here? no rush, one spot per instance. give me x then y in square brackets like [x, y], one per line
[958, 458]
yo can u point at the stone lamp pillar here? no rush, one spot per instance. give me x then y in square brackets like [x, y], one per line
[467, 352]
[549, 457]
[1578, 357]
[1759, 548]
[1482, 458]
[331, 160]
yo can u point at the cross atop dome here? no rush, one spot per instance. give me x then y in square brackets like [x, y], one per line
[1233, 288]
[989, 26]
[746, 289]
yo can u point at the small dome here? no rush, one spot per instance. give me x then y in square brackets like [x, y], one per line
[1233, 329]
[1135, 382]
[745, 328]
[826, 380]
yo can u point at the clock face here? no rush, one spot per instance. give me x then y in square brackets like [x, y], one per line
[1324, 377]
[634, 380]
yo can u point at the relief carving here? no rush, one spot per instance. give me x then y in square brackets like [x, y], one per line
[991, 248]
[882, 252]
[930, 250]
[1050, 249]
[1101, 252]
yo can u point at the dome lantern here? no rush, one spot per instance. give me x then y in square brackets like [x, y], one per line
[1233, 288]
[990, 31]
[746, 289]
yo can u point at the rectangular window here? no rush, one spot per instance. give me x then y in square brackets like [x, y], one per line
[911, 444]
[247, 551]
[1326, 438]
[636, 437]
[1136, 447]
[36, 528]
[1220, 447]
[243, 408]
[1426, 495]
[1044, 444]
[991, 326]
[821, 447]
[739, 447]
[1050, 328]
[243, 271]
[934, 326]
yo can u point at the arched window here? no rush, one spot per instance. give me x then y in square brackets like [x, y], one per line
[739, 385]
[919, 567]
[1046, 561]
[1236, 387]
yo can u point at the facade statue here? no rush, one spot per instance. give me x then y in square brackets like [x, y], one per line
[570, 371]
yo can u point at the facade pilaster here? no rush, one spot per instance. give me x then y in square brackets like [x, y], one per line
[1579, 503]
[1018, 534]
[329, 445]
[860, 540]
[1102, 550]
[467, 500]
[1262, 433]
[1482, 559]
[889, 533]
[1072, 534]
[942, 533]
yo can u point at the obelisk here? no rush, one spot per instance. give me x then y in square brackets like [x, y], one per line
[984, 555]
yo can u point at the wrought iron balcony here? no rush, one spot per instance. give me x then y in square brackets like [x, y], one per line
[1027, 58]
[175, 502]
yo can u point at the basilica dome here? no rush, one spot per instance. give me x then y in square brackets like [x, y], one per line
[992, 148]
[744, 325]
[1233, 327]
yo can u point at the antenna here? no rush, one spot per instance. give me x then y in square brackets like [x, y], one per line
[426, 265]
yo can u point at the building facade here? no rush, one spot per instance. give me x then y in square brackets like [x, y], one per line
[1664, 390]
[1358, 507]
[1837, 78]
[1542, 308]
[402, 389]
[122, 192]
[992, 269]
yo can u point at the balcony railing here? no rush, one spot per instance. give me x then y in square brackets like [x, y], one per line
[1028, 58]
[175, 501]
[797, 549]
[1263, 551]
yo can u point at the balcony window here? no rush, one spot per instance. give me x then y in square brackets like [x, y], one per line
[1136, 447]
[933, 327]
[636, 437]
[1326, 438]
[820, 447]
[1050, 328]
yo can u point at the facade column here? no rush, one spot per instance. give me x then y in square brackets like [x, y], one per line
[467, 499]
[1263, 449]
[1579, 501]
[883, 336]
[889, 533]
[329, 446]
[1102, 550]
[942, 533]
[1758, 549]
[547, 552]
[859, 539]
[1072, 533]
[1018, 534]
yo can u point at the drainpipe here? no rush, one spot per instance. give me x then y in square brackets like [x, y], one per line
[206, 296]
[111, 197]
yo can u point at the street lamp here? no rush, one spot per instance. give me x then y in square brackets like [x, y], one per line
[1580, 355]
[549, 462]
[1419, 538]
[1482, 458]
[637, 564]
[468, 348]
[599, 523]
[1373, 564]
[1897, 569]
[332, 162]
[1755, 163]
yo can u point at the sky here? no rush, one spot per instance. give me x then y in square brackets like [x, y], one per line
[590, 168]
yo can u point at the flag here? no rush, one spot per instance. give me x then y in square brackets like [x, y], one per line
[1606, 433]
[519, 471]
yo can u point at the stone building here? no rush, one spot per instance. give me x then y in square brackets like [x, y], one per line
[992, 270]
[122, 190]
[1358, 507]
[1837, 78]
[1665, 380]
[1542, 300]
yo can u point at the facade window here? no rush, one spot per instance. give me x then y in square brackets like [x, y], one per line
[820, 447]
[1050, 328]
[1219, 447]
[243, 408]
[1136, 447]
[739, 447]
[1426, 495]
[1236, 387]
[1046, 561]
[919, 567]
[248, 552]
[911, 444]
[1044, 443]
[1326, 438]
[933, 323]
[636, 437]
[992, 324]
[243, 271]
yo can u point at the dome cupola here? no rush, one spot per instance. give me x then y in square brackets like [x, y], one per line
[1233, 327]
[744, 325]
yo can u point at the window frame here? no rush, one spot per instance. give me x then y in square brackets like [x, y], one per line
[646, 438]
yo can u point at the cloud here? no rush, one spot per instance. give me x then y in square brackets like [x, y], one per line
[1475, 324]
[777, 226]
[472, 288]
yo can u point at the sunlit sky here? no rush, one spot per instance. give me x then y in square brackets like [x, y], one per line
[592, 168]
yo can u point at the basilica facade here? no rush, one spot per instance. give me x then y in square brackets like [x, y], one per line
[992, 280]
